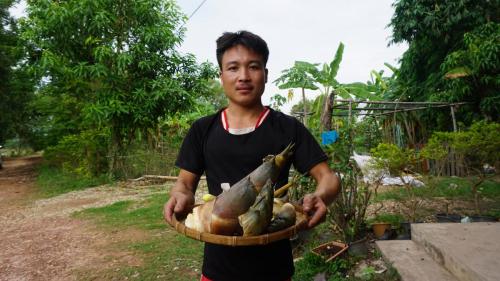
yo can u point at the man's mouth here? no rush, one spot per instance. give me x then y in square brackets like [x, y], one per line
[244, 89]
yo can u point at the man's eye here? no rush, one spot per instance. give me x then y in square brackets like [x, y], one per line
[232, 68]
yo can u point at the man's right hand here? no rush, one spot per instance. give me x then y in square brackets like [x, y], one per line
[179, 203]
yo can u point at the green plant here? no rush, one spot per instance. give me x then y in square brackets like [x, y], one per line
[398, 162]
[298, 76]
[367, 273]
[394, 219]
[311, 264]
[83, 154]
[349, 209]
[479, 146]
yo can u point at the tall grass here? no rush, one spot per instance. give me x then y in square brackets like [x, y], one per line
[53, 181]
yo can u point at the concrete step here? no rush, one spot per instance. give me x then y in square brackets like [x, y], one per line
[412, 262]
[470, 251]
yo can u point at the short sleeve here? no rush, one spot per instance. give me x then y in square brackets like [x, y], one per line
[307, 153]
[190, 157]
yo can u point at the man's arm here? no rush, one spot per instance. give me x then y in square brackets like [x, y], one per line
[328, 186]
[181, 195]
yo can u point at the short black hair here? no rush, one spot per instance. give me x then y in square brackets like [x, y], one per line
[244, 38]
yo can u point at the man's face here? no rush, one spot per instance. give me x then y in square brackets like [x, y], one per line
[243, 75]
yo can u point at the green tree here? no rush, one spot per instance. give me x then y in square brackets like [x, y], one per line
[15, 86]
[327, 77]
[111, 64]
[449, 39]
[479, 146]
[298, 76]
[398, 161]
[472, 71]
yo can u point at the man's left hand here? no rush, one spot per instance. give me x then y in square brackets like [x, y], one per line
[315, 207]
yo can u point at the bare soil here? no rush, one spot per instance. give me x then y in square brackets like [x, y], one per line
[39, 240]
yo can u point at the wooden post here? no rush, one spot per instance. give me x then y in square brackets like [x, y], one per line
[452, 108]
[305, 106]
[350, 112]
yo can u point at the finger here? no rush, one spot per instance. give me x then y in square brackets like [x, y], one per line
[317, 216]
[308, 202]
[169, 209]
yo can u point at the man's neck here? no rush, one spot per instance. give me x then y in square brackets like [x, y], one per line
[243, 117]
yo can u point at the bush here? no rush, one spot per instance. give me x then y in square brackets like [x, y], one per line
[83, 154]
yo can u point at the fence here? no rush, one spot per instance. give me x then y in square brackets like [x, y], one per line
[451, 165]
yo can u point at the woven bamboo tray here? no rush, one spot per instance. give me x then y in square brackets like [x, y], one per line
[263, 239]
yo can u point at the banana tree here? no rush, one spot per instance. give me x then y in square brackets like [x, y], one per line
[327, 77]
[298, 76]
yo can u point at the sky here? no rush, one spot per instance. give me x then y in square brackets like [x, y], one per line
[296, 30]
[299, 30]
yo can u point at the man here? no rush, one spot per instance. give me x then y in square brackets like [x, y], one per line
[230, 144]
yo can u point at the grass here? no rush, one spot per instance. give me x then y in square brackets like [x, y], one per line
[166, 255]
[52, 181]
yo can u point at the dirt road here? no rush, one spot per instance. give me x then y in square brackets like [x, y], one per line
[39, 240]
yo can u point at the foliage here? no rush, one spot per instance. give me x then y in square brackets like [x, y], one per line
[16, 85]
[479, 145]
[449, 39]
[298, 76]
[327, 75]
[301, 185]
[398, 161]
[53, 181]
[436, 147]
[472, 72]
[394, 219]
[83, 154]
[392, 158]
[367, 135]
[277, 101]
[116, 70]
[311, 264]
[349, 209]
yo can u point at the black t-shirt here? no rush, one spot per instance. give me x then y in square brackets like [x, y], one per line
[226, 158]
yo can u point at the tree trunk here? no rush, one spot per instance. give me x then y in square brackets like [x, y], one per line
[326, 115]
[305, 106]
[116, 150]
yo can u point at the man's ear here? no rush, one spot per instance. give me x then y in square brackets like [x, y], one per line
[265, 80]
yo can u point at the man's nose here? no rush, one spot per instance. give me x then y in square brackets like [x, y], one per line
[244, 74]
